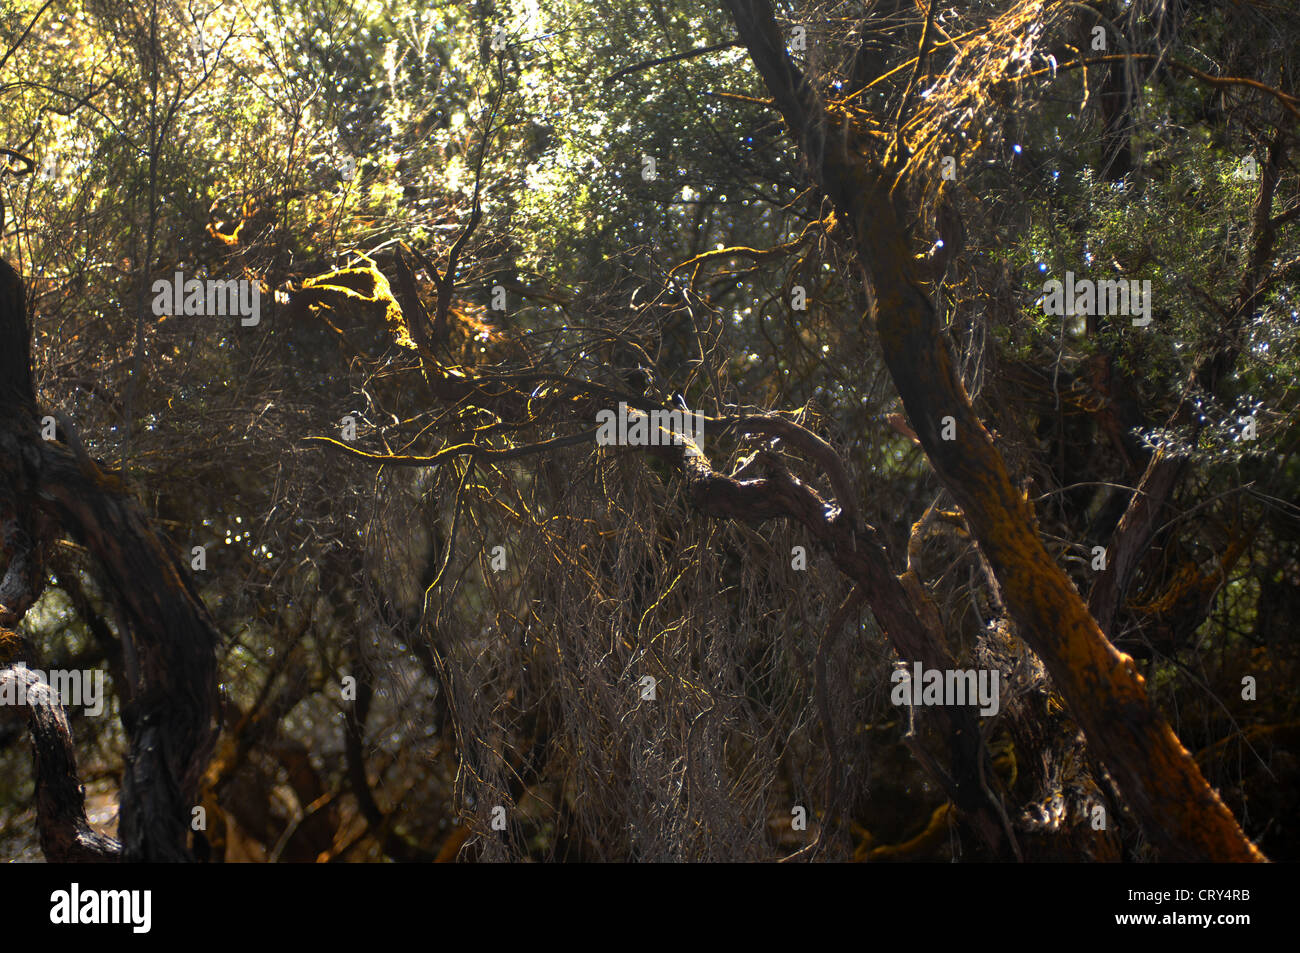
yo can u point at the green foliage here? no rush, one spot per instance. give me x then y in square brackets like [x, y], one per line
[316, 130]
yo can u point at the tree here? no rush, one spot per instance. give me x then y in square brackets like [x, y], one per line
[1107, 696]
[455, 623]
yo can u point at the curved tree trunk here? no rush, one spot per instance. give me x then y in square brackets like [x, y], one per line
[1107, 697]
[66, 835]
[47, 489]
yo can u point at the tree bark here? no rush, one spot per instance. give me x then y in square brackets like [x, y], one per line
[1103, 689]
[66, 835]
[170, 712]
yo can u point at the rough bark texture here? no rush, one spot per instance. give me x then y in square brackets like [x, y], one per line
[1106, 695]
[66, 835]
[170, 716]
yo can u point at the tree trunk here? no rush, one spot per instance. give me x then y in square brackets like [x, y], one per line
[170, 714]
[1107, 697]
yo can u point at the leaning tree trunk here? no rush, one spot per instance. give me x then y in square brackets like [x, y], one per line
[66, 834]
[1106, 695]
[169, 712]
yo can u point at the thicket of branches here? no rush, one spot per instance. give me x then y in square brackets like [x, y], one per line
[470, 612]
